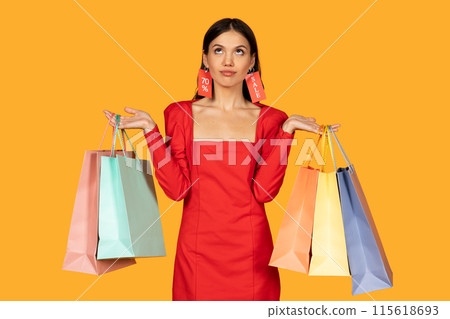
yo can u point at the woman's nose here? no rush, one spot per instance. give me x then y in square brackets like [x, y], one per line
[228, 59]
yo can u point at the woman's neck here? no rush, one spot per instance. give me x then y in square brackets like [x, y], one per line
[228, 98]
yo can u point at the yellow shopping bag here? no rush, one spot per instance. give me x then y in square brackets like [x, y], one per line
[329, 251]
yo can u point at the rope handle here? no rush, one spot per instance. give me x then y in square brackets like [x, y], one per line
[307, 163]
[104, 134]
[114, 140]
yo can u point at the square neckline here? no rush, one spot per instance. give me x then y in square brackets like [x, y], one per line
[221, 140]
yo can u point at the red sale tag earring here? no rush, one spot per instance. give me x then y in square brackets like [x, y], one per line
[204, 85]
[255, 87]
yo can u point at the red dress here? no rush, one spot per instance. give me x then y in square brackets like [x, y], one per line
[224, 244]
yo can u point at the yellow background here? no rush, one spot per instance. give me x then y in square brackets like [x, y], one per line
[385, 81]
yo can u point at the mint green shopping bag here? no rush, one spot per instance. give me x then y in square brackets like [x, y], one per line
[129, 220]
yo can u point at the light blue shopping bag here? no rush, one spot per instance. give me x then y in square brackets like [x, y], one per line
[129, 219]
[367, 259]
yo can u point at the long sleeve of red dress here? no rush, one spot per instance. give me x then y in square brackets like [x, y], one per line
[169, 158]
[269, 177]
[172, 166]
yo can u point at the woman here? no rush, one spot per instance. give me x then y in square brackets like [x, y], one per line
[224, 245]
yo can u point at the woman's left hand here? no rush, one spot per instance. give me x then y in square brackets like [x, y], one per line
[298, 122]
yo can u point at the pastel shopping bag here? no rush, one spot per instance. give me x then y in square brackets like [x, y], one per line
[368, 263]
[83, 234]
[293, 245]
[329, 251]
[129, 218]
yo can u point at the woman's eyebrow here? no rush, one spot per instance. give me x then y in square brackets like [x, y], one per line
[238, 46]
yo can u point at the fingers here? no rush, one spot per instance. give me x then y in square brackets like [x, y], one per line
[334, 127]
[131, 110]
[120, 126]
[112, 119]
[110, 115]
[319, 130]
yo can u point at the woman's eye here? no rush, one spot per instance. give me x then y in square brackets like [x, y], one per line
[238, 50]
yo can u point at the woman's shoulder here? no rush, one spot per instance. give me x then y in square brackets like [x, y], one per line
[177, 109]
[271, 114]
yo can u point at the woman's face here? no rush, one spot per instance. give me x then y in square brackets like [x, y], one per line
[230, 51]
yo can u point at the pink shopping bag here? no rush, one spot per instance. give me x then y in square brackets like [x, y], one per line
[83, 234]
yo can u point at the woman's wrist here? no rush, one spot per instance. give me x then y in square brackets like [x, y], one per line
[149, 127]
[287, 127]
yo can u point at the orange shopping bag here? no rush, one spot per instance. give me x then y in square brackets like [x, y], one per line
[292, 247]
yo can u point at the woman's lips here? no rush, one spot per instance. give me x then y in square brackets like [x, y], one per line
[227, 73]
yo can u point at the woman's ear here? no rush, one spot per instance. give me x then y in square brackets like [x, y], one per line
[252, 64]
[205, 58]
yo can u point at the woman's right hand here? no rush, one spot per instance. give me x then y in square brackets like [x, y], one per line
[139, 119]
